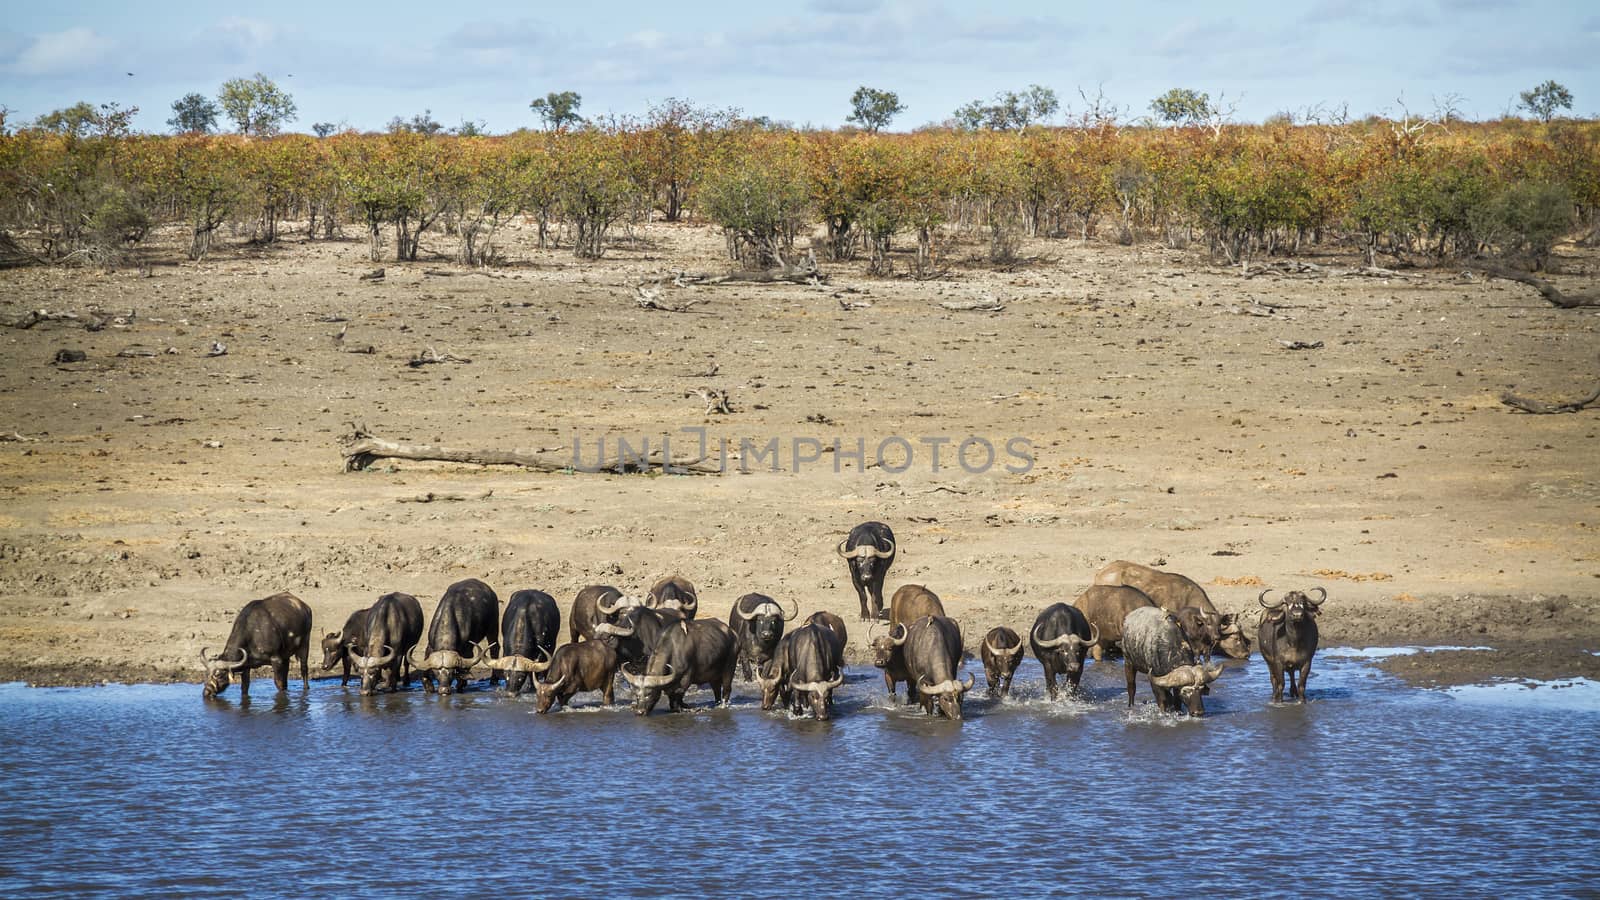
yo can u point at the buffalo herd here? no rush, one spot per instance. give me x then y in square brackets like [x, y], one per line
[1161, 623]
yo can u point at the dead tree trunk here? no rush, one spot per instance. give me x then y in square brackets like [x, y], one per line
[361, 450]
[1546, 290]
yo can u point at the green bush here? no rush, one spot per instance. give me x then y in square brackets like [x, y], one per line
[1524, 220]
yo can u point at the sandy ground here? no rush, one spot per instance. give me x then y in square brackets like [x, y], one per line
[151, 497]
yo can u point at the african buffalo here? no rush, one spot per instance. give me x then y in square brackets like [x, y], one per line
[757, 623]
[1288, 639]
[832, 622]
[637, 631]
[1105, 606]
[674, 592]
[584, 666]
[932, 648]
[1172, 592]
[466, 616]
[687, 654]
[528, 632]
[336, 644]
[393, 627]
[595, 604]
[888, 654]
[869, 551]
[1002, 653]
[1153, 643]
[812, 667]
[268, 631]
[911, 602]
[1061, 637]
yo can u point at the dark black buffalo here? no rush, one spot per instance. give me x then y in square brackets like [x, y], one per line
[336, 644]
[528, 633]
[1288, 640]
[757, 623]
[1002, 653]
[465, 617]
[810, 671]
[393, 627]
[774, 674]
[595, 604]
[585, 666]
[686, 654]
[869, 550]
[888, 654]
[674, 592]
[637, 631]
[932, 649]
[268, 631]
[1061, 637]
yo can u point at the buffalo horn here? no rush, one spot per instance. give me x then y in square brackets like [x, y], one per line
[904, 633]
[620, 604]
[425, 662]
[608, 628]
[1323, 596]
[1263, 600]
[514, 662]
[1002, 651]
[366, 662]
[646, 682]
[1182, 676]
[817, 686]
[548, 661]
[1054, 642]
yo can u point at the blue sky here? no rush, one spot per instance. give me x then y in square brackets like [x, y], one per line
[362, 64]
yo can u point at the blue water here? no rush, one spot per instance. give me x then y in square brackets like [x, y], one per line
[1372, 788]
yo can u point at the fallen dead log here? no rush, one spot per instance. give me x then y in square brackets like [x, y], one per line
[439, 496]
[650, 298]
[988, 305]
[804, 271]
[33, 317]
[1542, 408]
[1546, 290]
[361, 450]
[430, 355]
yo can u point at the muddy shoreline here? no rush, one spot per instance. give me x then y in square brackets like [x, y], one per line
[1506, 638]
[145, 498]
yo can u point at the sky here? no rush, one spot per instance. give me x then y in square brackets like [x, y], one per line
[359, 65]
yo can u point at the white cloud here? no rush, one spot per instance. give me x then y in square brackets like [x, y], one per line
[61, 52]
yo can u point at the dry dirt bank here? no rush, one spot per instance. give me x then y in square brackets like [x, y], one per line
[154, 495]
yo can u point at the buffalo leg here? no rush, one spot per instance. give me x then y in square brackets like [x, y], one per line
[608, 693]
[305, 667]
[244, 683]
[1131, 676]
[744, 667]
[861, 593]
[1305, 675]
[344, 679]
[877, 596]
[1276, 670]
[725, 695]
[1050, 680]
[280, 673]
